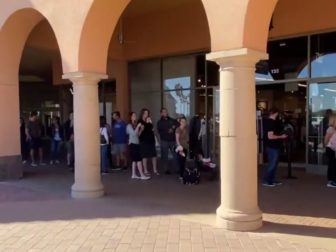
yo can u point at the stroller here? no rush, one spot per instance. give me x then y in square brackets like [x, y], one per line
[192, 173]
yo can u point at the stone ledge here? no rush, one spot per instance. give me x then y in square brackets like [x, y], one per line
[10, 168]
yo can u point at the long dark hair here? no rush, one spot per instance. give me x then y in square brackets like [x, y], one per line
[102, 121]
[58, 121]
[142, 113]
[130, 119]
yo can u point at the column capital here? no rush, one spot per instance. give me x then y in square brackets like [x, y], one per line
[243, 57]
[84, 77]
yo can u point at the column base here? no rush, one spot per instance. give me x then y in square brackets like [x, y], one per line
[238, 221]
[87, 193]
[11, 168]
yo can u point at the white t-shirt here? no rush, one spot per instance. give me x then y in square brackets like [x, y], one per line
[133, 135]
[57, 135]
[103, 132]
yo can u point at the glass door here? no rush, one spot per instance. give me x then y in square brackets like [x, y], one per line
[322, 102]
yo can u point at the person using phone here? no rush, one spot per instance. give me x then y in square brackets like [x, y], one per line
[147, 141]
[273, 142]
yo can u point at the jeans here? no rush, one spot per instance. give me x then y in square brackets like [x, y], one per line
[55, 149]
[331, 164]
[165, 148]
[104, 158]
[273, 160]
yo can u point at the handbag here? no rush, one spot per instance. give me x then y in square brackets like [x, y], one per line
[332, 142]
[102, 137]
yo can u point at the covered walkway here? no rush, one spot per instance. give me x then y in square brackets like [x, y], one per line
[38, 214]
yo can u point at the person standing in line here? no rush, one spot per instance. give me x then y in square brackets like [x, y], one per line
[104, 142]
[23, 141]
[69, 138]
[34, 137]
[147, 141]
[56, 139]
[330, 142]
[133, 131]
[273, 140]
[109, 151]
[182, 141]
[166, 127]
[119, 141]
[324, 125]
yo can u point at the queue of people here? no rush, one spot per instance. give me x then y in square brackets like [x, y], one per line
[32, 140]
[140, 136]
[121, 143]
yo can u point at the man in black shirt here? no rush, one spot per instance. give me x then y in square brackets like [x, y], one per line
[273, 141]
[166, 127]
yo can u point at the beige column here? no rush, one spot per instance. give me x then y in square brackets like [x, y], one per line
[86, 130]
[238, 160]
[10, 154]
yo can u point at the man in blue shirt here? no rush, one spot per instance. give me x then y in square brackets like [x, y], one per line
[119, 140]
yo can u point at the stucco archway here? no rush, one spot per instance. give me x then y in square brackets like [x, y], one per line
[13, 36]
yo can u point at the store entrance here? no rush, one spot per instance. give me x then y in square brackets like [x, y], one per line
[290, 99]
[322, 103]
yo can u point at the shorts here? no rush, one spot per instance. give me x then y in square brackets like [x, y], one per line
[147, 150]
[118, 149]
[135, 154]
[35, 143]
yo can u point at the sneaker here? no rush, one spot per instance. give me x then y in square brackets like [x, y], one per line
[145, 178]
[33, 164]
[135, 177]
[51, 162]
[331, 184]
[277, 183]
[268, 184]
[116, 169]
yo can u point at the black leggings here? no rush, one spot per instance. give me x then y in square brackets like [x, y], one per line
[181, 161]
[331, 164]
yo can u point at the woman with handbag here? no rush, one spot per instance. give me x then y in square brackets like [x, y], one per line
[147, 141]
[330, 142]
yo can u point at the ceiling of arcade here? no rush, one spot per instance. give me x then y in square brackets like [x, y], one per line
[151, 28]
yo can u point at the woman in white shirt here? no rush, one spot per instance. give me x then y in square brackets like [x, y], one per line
[133, 131]
[104, 143]
[330, 142]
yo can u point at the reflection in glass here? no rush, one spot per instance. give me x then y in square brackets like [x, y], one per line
[287, 60]
[322, 96]
[178, 102]
[323, 55]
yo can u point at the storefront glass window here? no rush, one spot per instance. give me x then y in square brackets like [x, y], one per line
[323, 55]
[322, 97]
[145, 81]
[179, 72]
[287, 60]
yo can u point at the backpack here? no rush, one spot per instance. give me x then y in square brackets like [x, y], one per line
[191, 176]
[102, 138]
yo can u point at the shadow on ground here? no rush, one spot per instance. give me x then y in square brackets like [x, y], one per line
[304, 206]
